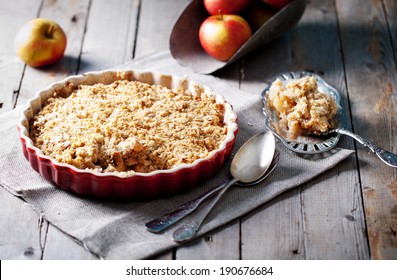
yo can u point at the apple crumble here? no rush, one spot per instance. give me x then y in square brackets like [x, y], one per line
[301, 108]
[128, 126]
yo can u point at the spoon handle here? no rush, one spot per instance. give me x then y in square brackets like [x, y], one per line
[387, 157]
[189, 230]
[165, 221]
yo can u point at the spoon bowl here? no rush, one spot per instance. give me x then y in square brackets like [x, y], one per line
[249, 164]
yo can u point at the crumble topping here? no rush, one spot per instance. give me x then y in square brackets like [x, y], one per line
[128, 126]
[301, 108]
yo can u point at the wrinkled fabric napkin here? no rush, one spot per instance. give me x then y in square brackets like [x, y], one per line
[115, 230]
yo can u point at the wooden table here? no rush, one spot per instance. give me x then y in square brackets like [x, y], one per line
[350, 212]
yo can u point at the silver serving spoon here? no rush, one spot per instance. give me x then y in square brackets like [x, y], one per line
[249, 164]
[386, 156]
[167, 220]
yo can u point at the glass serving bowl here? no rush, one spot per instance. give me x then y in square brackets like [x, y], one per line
[310, 144]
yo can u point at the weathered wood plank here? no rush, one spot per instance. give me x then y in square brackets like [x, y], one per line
[71, 16]
[321, 220]
[12, 17]
[295, 225]
[371, 83]
[223, 243]
[332, 204]
[391, 16]
[58, 245]
[153, 36]
[149, 40]
[156, 21]
[108, 41]
[20, 233]
[110, 35]
[275, 230]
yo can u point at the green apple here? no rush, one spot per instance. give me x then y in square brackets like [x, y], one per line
[40, 42]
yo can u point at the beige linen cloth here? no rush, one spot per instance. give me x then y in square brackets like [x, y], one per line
[114, 230]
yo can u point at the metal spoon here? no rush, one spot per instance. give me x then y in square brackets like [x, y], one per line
[249, 164]
[167, 220]
[387, 157]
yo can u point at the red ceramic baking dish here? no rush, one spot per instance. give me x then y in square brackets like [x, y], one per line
[136, 186]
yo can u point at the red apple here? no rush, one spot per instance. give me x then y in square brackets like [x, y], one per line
[215, 7]
[258, 13]
[40, 42]
[222, 35]
[278, 4]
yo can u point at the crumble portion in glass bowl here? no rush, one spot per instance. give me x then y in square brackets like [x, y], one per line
[128, 126]
[301, 108]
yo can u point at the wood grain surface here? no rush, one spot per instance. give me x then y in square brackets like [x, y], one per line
[349, 212]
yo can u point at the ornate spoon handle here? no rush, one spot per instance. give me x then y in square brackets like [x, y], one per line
[189, 230]
[171, 218]
[387, 157]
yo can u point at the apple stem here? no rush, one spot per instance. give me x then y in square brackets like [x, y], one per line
[49, 31]
[220, 14]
